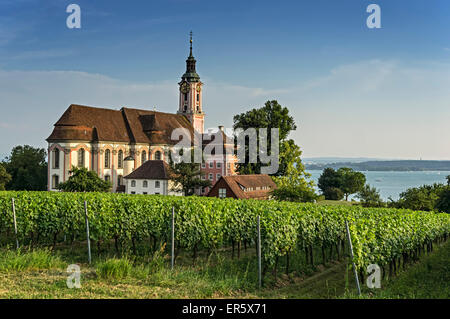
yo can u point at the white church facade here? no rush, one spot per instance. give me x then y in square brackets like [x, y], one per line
[100, 139]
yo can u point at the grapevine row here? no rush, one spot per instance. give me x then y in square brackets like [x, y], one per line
[379, 235]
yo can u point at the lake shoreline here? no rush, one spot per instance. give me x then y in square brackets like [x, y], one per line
[392, 183]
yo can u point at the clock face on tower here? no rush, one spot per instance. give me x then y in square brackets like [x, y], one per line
[184, 88]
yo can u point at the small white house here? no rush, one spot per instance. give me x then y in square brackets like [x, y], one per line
[151, 178]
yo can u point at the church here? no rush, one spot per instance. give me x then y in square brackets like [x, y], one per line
[102, 139]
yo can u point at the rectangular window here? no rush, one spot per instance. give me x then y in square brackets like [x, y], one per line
[211, 164]
[144, 193]
[222, 192]
[210, 177]
[203, 165]
[157, 184]
[218, 177]
[145, 184]
[55, 181]
[229, 165]
[133, 193]
[219, 164]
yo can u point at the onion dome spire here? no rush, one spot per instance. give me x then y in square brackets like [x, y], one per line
[191, 73]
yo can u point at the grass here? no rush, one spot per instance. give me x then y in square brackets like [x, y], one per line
[42, 274]
[430, 278]
[116, 268]
[22, 260]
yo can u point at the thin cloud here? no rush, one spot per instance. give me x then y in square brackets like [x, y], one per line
[42, 54]
[371, 108]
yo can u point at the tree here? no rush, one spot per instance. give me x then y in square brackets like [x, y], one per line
[351, 182]
[83, 180]
[327, 180]
[295, 194]
[345, 179]
[370, 197]
[188, 175]
[443, 202]
[271, 115]
[333, 193]
[28, 169]
[448, 180]
[4, 177]
[420, 198]
[293, 185]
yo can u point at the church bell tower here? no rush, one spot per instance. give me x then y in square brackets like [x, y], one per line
[190, 102]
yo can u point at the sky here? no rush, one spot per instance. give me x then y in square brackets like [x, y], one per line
[353, 91]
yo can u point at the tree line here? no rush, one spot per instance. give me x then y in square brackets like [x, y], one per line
[24, 169]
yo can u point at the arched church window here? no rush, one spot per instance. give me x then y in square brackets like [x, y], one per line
[144, 157]
[107, 159]
[81, 157]
[157, 156]
[120, 159]
[185, 96]
[56, 158]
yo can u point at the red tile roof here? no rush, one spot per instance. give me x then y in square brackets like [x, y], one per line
[151, 170]
[86, 123]
[249, 186]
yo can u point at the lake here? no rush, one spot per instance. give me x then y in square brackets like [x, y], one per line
[393, 183]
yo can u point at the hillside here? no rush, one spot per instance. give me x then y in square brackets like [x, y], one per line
[398, 165]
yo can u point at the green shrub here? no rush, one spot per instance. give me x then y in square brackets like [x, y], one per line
[333, 193]
[295, 194]
[370, 197]
[420, 198]
[29, 260]
[443, 202]
[114, 268]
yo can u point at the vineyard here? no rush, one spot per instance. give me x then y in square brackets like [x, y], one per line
[381, 236]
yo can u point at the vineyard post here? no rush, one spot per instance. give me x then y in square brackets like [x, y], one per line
[259, 252]
[15, 223]
[87, 232]
[351, 255]
[173, 239]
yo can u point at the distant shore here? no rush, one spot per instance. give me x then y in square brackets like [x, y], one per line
[387, 166]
